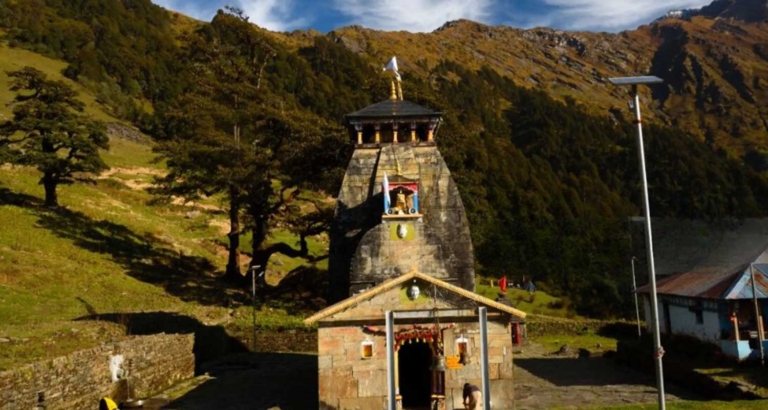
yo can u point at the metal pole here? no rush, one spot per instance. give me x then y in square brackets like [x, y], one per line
[637, 306]
[253, 312]
[254, 270]
[390, 319]
[658, 351]
[758, 319]
[484, 358]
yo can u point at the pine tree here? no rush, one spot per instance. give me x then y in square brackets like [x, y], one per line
[207, 150]
[49, 131]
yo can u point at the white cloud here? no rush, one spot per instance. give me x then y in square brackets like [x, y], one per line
[412, 15]
[275, 15]
[612, 15]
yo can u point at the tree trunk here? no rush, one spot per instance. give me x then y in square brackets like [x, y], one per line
[260, 254]
[233, 262]
[49, 183]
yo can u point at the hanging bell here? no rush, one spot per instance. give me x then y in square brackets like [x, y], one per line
[438, 364]
[464, 358]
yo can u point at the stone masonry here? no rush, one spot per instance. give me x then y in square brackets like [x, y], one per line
[362, 251]
[348, 381]
[80, 379]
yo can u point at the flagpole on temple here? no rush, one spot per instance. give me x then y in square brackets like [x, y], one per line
[392, 66]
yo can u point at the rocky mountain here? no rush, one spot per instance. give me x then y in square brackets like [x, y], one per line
[714, 63]
[744, 10]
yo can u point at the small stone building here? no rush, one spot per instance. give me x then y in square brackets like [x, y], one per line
[434, 320]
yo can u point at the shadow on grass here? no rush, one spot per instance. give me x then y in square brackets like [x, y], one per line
[301, 292]
[211, 342]
[581, 372]
[144, 257]
[256, 381]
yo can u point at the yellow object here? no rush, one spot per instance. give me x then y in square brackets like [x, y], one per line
[107, 404]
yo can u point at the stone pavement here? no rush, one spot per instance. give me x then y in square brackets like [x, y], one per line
[289, 381]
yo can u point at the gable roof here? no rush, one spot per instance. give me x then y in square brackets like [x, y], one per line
[714, 285]
[385, 286]
[393, 109]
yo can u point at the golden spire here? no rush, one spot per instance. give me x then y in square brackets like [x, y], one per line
[393, 93]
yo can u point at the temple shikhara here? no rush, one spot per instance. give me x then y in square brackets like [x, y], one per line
[400, 241]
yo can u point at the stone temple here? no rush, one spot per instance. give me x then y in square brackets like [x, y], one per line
[400, 242]
[424, 226]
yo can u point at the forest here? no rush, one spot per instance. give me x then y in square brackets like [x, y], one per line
[548, 185]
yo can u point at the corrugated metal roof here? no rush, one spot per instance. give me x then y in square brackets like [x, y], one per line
[714, 285]
[393, 109]
[742, 289]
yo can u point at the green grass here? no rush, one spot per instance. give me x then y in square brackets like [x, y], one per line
[537, 303]
[107, 251]
[589, 341]
[111, 250]
[12, 59]
[129, 154]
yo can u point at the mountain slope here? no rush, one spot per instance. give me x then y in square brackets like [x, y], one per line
[715, 69]
[540, 145]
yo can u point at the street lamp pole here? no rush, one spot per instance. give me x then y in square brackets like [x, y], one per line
[658, 351]
[254, 270]
[637, 306]
[758, 317]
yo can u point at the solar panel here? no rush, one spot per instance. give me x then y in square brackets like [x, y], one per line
[647, 79]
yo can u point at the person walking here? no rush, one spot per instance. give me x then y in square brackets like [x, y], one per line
[472, 397]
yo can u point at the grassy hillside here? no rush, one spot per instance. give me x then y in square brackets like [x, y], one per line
[15, 58]
[111, 249]
[540, 303]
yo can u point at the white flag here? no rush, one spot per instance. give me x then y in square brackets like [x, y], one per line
[385, 192]
[392, 65]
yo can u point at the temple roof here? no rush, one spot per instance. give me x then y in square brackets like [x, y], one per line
[393, 109]
[385, 286]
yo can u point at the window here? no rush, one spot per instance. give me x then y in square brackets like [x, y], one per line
[699, 316]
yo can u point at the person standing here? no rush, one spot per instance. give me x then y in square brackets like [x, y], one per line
[472, 397]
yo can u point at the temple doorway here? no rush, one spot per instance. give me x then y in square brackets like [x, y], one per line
[413, 361]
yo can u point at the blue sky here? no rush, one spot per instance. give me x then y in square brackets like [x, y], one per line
[427, 15]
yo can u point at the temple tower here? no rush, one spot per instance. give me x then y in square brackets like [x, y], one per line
[399, 210]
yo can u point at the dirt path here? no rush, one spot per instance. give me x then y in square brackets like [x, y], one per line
[139, 184]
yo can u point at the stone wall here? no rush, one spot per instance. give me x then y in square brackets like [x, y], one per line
[359, 238]
[80, 379]
[347, 381]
